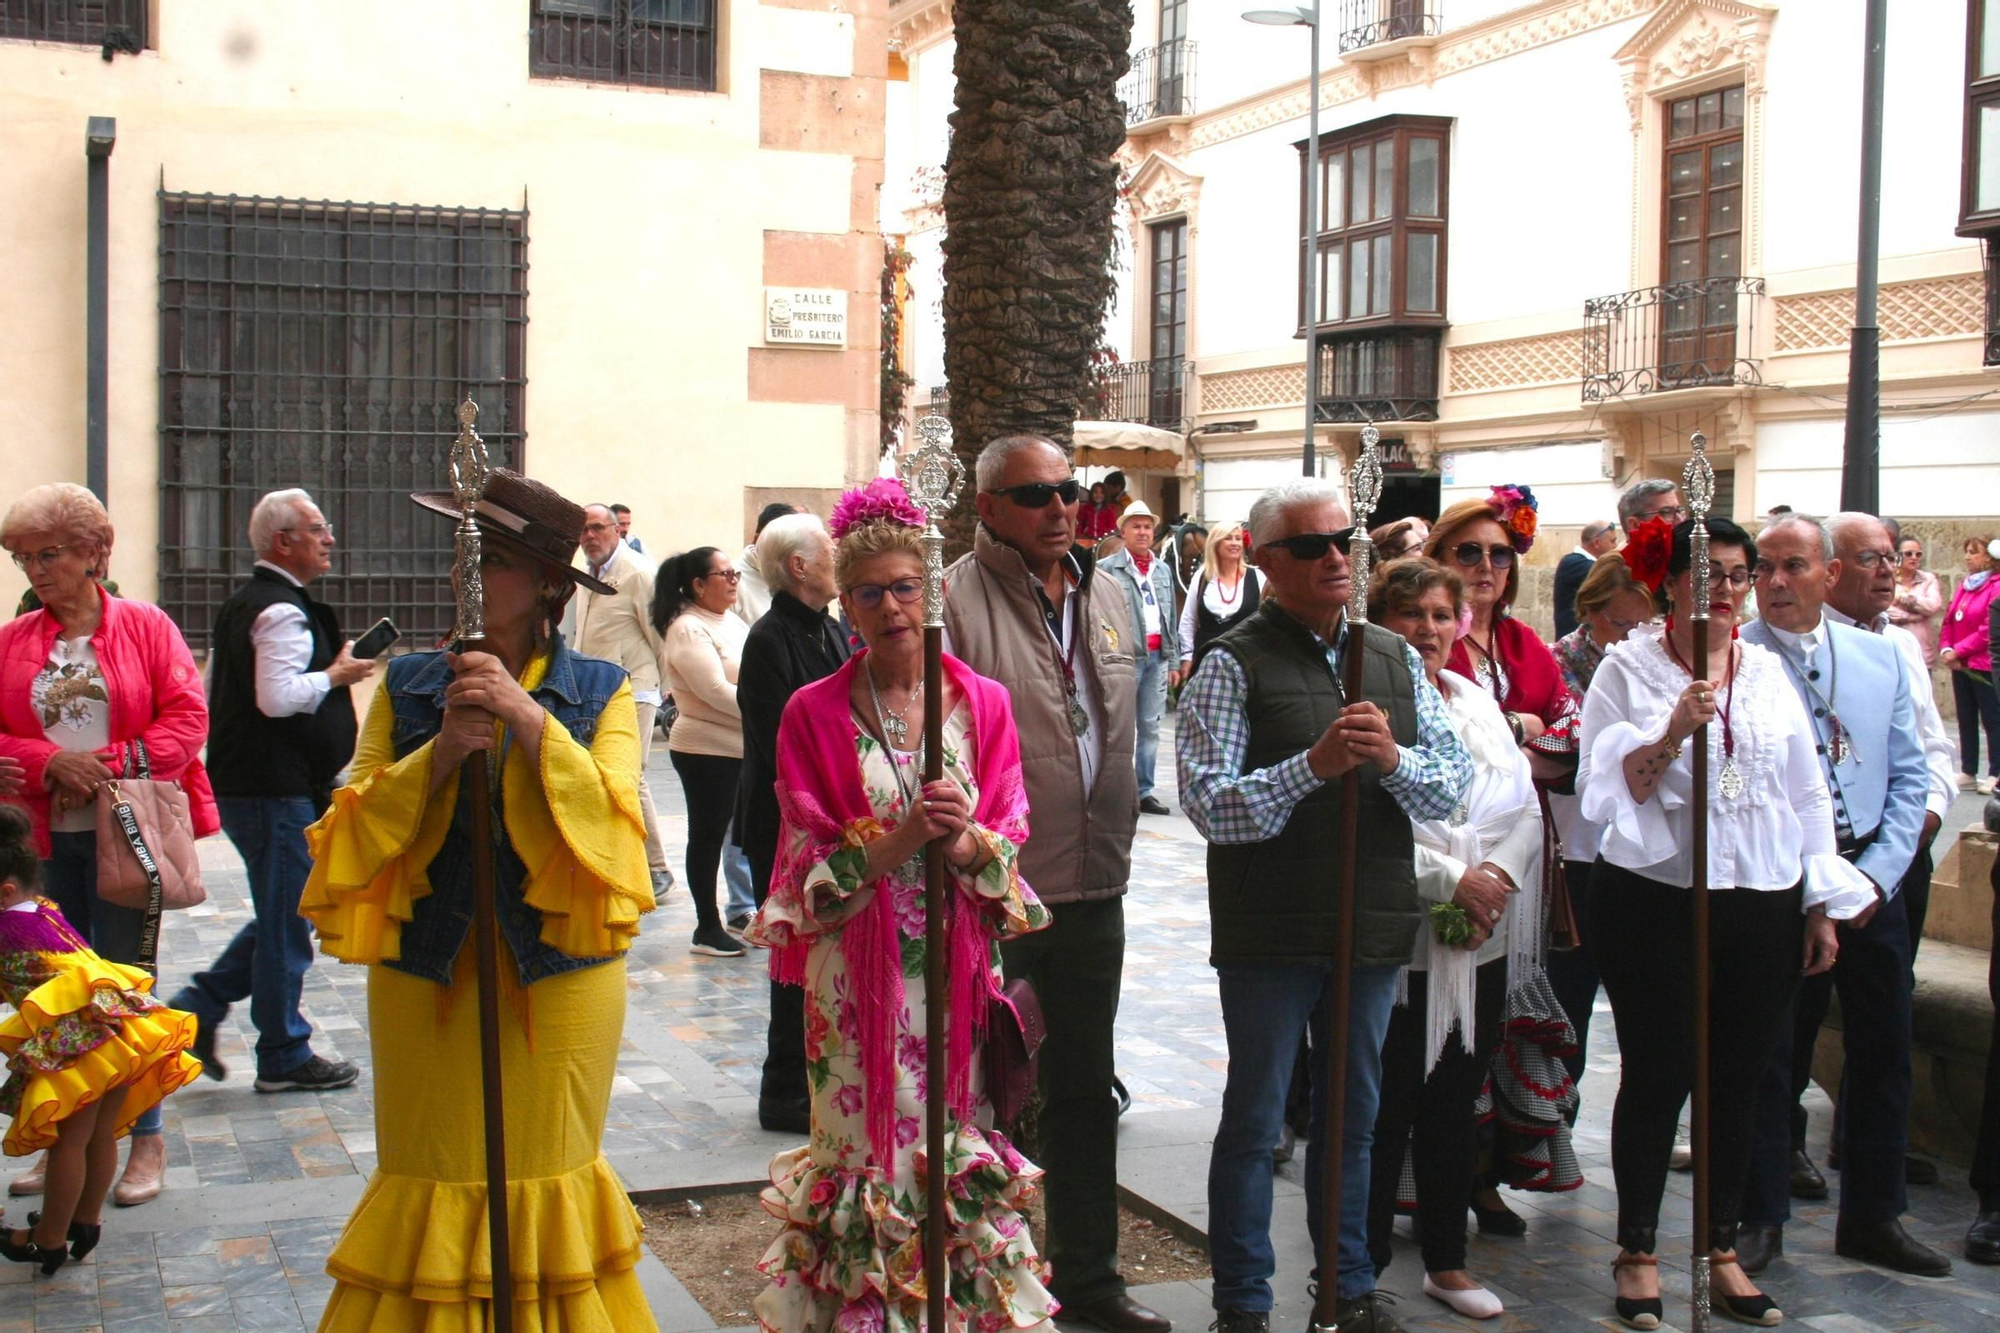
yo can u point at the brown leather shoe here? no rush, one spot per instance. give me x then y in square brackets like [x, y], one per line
[145, 1172]
[30, 1181]
[1119, 1314]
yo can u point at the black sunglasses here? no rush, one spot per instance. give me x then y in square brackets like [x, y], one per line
[1468, 554]
[1313, 545]
[1037, 494]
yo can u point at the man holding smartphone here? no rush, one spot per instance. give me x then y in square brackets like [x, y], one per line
[281, 729]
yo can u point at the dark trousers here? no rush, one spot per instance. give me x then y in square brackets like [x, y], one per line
[1076, 966]
[1645, 945]
[1573, 972]
[266, 963]
[69, 878]
[1978, 706]
[1986, 1157]
[785, 1036]
[1433, 1115]
[708, 782]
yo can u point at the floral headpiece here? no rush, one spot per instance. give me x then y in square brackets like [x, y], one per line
[1648, 551]
[883, 499]
[1519, 513]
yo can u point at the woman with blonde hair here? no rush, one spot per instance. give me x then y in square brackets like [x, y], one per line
[1224, 594]
[86, 682]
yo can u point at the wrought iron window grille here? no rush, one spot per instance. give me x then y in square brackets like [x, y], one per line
[638, 43]
[1161, 83]
[1366, 23]
[325, 345]
[113, 25]
[1680, 335]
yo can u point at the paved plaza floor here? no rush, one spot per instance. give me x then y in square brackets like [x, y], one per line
[259, 1186]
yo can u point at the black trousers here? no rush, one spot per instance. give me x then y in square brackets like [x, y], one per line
[708, 782]
[1986, 1157]
[1433, 1115]
[1645, 946]
[1076, 966]
[785, 1036]
[1573, 972]
[1978, 706]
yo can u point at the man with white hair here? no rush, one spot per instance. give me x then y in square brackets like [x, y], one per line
[793, 644]
[1265, 735]
[281, 729]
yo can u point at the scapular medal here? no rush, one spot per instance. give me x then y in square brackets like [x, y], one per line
[1731, 781]
[1079, 721]
[1838, 751]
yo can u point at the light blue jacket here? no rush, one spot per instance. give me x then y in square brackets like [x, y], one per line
[1120, 567]
[1881, 784]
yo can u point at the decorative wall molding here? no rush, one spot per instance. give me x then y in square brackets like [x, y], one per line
[917, 24]
[1162, 187]
[1268, 386]
[1950, 307]
[1548, 358]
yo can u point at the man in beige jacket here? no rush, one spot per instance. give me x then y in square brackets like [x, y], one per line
[1026, 608]
[618, 627]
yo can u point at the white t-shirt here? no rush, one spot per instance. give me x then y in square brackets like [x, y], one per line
[69, 697]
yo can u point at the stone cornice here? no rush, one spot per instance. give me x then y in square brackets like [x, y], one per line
[917, 24]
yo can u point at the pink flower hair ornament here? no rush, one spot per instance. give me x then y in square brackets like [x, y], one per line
[883, 499]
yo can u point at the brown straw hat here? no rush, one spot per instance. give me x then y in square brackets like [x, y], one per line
[526, 515]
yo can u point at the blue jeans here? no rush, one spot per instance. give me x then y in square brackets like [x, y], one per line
[736, 879]
[266, 963]
[1265, 1008]
[1153, 668]
[69, 878]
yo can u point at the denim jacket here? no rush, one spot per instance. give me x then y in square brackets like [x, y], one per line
[574, 692]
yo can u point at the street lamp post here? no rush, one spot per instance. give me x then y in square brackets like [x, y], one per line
[1307, 16]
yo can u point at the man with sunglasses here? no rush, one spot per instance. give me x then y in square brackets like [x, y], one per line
[1148, 585]
[1027, 607]
[1265, 734]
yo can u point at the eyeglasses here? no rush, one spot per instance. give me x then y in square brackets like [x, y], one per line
[1469, 554]
[1872, 559]
[316, 530]
[598, 527]
[868, 596]
[1671, 513]
[1037, 494]
[1624, 626]
[1911, 555]
[1313, 545]
[731, 574]
[41, 559]
[1738, 579]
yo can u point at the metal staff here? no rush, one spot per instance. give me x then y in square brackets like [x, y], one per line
[933, 475]
[1364, 488]
[1698, 484]
[469, 471]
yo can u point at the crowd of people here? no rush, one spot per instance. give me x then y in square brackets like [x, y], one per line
[1525, 811]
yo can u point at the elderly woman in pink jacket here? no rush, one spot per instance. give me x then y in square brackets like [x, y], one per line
[1963, 648]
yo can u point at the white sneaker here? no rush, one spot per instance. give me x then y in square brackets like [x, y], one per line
[1682, 1158]
[1479, 1303]
[1985, 787]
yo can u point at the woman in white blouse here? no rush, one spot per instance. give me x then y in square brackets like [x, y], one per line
[701, 650]
[1226, 590]
[1777, 883]
[1441, 1040]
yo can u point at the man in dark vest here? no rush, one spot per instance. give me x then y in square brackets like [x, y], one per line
[281, 728]
[1264, 737]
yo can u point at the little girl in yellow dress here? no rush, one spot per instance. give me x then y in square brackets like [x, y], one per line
[88, 1048]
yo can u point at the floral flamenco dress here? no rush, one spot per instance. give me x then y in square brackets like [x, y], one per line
[851, 1255]
[81, 1027]
[570, 866]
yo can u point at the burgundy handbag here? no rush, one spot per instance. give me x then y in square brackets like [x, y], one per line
[1015, 1031]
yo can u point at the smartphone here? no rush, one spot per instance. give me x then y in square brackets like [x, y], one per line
[377, 640]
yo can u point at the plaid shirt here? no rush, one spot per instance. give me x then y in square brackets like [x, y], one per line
[1229, 805]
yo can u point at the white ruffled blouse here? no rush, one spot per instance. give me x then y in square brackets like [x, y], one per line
[1778, 830]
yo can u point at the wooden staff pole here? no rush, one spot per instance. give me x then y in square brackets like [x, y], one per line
[468, 480]
[1698, 483]
[932, 474]
[1364, 490]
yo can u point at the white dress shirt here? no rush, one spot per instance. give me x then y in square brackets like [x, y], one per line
[281, 647]
[1211, 597]
[1779, 830]
[1940, 750]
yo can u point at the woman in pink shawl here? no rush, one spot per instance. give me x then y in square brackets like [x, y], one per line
[845, 919]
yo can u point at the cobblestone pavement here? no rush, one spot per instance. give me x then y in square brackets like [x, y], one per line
[260, 1185]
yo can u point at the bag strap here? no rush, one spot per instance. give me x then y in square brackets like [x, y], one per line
[149, 933]
[140, 765]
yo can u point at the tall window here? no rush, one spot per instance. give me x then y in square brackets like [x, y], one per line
[1169, 318]
[113, 24]
[1171, 88]
[1380, 242]
[326, 345]
[641, 43]
[1702, 236]
[1979, 198]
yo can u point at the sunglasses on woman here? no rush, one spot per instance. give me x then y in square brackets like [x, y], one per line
[868, 596]
[1314, 545]
[1469, 555]
[1037, 494]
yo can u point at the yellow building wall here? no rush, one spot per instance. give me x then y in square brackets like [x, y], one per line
[655, 219]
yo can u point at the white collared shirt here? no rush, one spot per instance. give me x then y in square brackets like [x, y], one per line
[280, 649]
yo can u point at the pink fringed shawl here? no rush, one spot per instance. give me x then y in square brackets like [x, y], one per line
[820, 792]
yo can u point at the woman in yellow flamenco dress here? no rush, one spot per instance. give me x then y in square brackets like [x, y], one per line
[89, 1051]
[391, 887]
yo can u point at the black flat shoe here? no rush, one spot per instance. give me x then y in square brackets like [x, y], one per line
[1887, 1245]
[1501, 1221]
[1982, 1239]
[30, 1253]
[1806, 1181]
[1757, 1246]
[82, 1239]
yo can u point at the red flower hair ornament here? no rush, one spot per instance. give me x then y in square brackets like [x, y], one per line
[1647, 552]
[1519, 514]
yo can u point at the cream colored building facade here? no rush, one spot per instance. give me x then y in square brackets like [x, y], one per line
[578, 207]
[1556, 121]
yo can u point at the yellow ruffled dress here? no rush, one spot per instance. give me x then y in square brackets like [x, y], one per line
[415, 1255]
[81, 1027]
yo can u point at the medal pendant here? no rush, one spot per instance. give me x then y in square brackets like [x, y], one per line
[1731, 781]
[1079, 721]
[1837, 748]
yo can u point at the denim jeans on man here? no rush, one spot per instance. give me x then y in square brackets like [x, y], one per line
[266, 963]
[1264, 1011]
[736, 879]
[69, 878]
[1153, 668]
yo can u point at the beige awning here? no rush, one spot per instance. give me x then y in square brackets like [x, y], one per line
[1127, 445]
